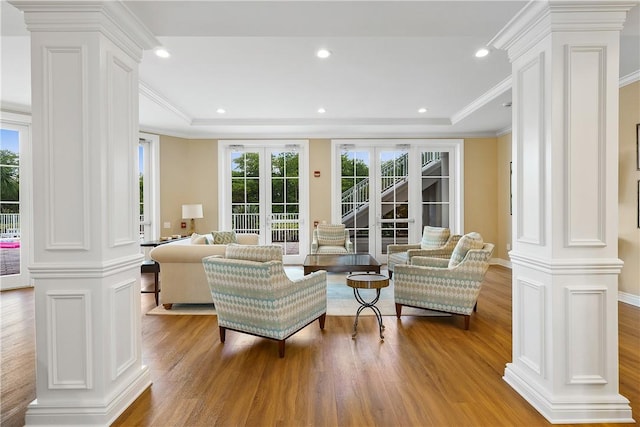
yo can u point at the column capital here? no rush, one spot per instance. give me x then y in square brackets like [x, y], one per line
[540, 18]
[110, 18]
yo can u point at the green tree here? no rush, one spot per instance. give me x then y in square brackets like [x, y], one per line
[353, 169]
[9, 180]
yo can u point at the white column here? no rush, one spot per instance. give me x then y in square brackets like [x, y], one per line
[86, 254]
[565, 58]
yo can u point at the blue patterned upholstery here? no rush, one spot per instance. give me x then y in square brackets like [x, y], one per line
[331, 239]
[433, 284]
[437, 242]
[257, 297]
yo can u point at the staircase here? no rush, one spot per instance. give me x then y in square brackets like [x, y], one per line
[355, 201]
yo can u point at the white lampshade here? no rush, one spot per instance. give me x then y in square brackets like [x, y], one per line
[191, 211]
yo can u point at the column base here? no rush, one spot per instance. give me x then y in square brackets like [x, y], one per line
[569, 409]
[75, 413]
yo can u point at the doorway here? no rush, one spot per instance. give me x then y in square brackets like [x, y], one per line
[389, 190]
[264, 189]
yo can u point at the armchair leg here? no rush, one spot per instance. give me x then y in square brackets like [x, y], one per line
[398, 310]
[321, 319]
[281, 348]
[466, 322]
[223, 333]
[475, 307]
[167, 306]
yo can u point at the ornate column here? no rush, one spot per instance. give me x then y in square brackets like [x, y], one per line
[565, 57]
[86, 255]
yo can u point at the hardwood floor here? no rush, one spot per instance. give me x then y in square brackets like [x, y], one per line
[427, 372]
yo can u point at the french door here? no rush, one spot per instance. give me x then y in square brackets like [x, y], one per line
[15, 221]
[390, 190]
[262, 188]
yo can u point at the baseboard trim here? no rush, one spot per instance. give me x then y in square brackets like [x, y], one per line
[590, 409]
[500, 261]
[91, 415]
[628, 298]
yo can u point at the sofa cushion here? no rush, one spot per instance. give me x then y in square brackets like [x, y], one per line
[254, 253]
[434, 237]
[199, 239]
[224, 237]
[465, 244]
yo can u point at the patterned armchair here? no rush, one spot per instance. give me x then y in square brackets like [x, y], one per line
[450, 286]
[331, 239]
[436, 242]
[253, 294]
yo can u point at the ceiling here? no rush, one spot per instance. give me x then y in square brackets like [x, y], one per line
[256, 60]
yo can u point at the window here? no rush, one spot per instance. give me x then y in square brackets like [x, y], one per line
[148, 164]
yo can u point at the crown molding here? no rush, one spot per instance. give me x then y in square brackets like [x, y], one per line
[13, 107]
[538, 19]
[504, 131]
[111, 18]
[483, 100]
[365, 121]
[163, 102]
[630, 78]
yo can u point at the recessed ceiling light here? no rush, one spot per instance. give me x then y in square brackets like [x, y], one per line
[221, 111]
[481, 53]
[422, 110]
[162, 52]
[323, 53]
[321, 110]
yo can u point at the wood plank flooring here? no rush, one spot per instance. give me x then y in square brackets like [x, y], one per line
[427, 372]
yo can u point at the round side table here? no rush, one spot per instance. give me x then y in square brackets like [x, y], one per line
[367, 281]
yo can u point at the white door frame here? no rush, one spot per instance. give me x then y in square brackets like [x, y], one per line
[455, 148]
[224, 190]
[152, 193]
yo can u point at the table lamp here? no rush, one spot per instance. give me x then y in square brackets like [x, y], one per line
[192, 212]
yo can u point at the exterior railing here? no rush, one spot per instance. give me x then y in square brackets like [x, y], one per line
[9, 225]
[391, 174]
[284, 227]
[142, 228]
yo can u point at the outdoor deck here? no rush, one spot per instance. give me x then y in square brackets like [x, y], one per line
[9, 261]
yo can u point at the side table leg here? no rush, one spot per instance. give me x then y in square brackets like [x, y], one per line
[372, 306]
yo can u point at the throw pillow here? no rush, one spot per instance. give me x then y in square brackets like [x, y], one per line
[254, 252]
[465, 244]
[199, 239]
[434, 237]
[224, 237]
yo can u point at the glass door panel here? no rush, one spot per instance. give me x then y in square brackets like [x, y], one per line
[355, 201]
[393, 183]
[265, 197]
[13, 216]
[435, 189]
[285, 201]
[245, 192]
[390, 190]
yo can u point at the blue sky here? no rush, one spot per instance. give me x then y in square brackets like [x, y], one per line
[9, 140]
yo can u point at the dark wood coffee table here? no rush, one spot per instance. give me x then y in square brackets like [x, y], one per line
[341, 263]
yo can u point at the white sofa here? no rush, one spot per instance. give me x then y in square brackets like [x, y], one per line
[182, 277]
